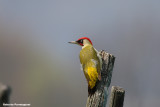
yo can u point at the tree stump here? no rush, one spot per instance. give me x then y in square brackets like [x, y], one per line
[117, 97]
[99, 98]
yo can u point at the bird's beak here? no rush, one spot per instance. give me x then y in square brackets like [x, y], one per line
[73, 42]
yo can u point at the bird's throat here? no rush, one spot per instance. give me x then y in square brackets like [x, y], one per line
[85, 45]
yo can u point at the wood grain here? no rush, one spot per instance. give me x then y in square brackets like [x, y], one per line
[99, 98]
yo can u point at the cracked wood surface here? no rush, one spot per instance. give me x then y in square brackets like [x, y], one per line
[99, 98]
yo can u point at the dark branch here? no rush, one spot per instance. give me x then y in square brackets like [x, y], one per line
[5, 92]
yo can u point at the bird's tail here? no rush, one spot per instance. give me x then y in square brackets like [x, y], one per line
[91, 91]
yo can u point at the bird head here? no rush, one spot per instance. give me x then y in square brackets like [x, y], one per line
[83, 41]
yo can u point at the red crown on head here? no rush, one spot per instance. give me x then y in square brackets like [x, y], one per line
[86, 38]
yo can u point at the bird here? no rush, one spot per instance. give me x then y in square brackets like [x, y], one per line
[91, 63]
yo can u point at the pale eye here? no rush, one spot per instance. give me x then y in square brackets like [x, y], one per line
[80, 41]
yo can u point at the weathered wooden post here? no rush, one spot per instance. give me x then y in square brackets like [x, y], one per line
[117, 97]
[4, 94]
[99, 98]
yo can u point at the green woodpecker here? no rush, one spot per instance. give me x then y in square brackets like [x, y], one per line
[91, 62]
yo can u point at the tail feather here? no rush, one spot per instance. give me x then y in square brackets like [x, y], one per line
[91, 91]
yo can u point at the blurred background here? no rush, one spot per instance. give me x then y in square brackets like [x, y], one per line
[44, 70]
